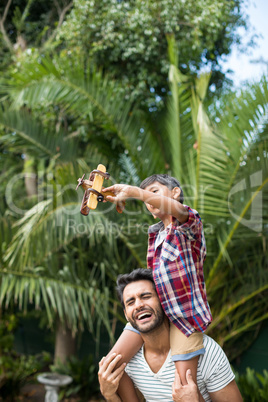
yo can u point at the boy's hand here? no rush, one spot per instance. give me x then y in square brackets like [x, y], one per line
[108, 377]
[185, 393]
[122, 192]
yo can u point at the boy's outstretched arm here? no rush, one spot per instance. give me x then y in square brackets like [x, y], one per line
[166, 205]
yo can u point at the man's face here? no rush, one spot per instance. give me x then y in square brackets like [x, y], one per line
[142, 306]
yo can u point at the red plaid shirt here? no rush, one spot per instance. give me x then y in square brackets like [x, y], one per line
[177, 265]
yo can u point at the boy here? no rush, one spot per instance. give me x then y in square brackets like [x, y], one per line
[176, 253]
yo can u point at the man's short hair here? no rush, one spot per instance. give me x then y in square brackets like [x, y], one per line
[168, 181]
[139, 274]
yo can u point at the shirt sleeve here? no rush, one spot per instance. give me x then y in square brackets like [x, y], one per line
[192, 229]
[129, 327]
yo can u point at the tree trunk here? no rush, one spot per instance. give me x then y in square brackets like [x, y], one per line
[65, 345]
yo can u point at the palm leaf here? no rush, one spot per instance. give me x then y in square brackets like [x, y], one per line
[71, 302]
[30, 134]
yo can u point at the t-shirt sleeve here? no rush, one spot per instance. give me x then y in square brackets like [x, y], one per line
[129, 327]
[219, 372]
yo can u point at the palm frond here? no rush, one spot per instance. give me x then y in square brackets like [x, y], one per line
[77, 304]
[85, 94]
[179, 132]
[26, 132]
[246, 185]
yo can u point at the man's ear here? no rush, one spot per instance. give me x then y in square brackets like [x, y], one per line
[176, 193]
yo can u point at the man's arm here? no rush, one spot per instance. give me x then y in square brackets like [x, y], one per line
[111, 386]
[228, 393]
[184, 393]
[109, 378]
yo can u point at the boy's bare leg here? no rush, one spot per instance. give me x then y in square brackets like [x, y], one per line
[183, 365]
[126, 390]
[127, 345]
[140, 395]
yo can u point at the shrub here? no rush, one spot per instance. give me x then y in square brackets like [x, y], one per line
[84, 373]
[253, 386]
[15, 369]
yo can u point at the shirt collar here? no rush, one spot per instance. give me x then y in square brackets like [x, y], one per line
[156, 227]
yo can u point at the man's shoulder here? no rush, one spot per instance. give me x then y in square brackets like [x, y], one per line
[208, 341]
[214, 353]
[210, 344]
[214, 367]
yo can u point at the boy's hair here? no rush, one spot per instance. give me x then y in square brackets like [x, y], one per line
[168, 181]
[139, 274]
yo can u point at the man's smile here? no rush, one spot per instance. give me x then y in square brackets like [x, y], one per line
[143, 315]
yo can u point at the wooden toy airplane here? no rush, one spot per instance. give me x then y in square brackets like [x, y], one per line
[93, 190]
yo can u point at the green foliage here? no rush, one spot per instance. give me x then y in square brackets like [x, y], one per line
[72, 267]
[50, 145]
[84, 373]
[253, 386]
[208, 155]
[25, 24]
[15, 369]
[128, 39]
[65, 263]
[8, 324]
[15, 372]
[33, 20]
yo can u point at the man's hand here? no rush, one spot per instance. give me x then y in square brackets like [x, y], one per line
[109, 378]
[184, 393]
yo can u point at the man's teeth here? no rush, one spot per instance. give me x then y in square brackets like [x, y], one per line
[143, 315]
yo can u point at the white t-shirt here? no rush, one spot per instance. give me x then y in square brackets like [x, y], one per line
[213, 373]
[160, 238]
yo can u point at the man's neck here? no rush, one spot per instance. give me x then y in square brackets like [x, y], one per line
[156, 346]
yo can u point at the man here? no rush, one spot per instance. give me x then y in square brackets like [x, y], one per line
[151, 369]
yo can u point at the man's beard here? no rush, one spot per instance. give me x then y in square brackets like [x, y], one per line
[159, 318]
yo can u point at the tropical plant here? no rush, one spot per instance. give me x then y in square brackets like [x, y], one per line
[221, 160]
[15, 369]
[253, 386]
[217, 151]
[65, 267]
[127, 39]
[26, 24]
[84, 373]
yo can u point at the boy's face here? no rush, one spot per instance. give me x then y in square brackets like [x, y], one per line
[161, 190]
